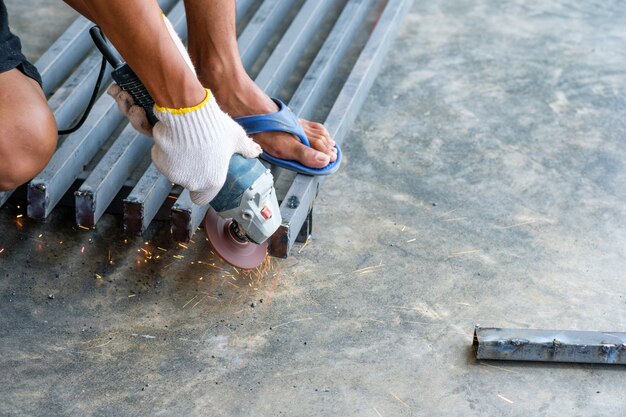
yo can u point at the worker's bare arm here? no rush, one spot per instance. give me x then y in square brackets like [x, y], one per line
[137, 30]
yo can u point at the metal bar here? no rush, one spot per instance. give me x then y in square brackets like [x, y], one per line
[320, 74]
[186, 217]
[292, 46]
[339, 120]
[108, 177]
[261, 28]
[46, 190]
[307, 229]
[144, 201]
[550, 345]
[69, 101]
[4, 196]
[128, 150]
[64, 54]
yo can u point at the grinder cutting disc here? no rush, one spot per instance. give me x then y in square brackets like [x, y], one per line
[239, 253]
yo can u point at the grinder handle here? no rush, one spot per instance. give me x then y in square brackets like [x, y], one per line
[123, 75]
[103, 46]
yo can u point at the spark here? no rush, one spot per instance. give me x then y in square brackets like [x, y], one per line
[397, 398]
[519, 224]
[83, 227]
[98, 276]
[183, 246]
[292, 321]
[411, 240]
[187, 303]
[178, 256]
[161, 249]
[377, 412]
[19, 216]
[368, 269]
[455, 254]
[505, 399]
[305, 245]
[82, 250]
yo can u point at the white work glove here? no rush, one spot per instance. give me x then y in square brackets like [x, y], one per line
[193, 147]
[136, 114]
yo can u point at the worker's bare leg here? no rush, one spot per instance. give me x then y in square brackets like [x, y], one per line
[145, 44]
[28, 133]
[213, 49]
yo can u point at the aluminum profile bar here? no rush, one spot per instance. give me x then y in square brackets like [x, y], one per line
[47, 189]
[128, 150]
[144, 201]
[261, 28]
[146, 198]
[550, 345]
[64, 54]
[70, 100]
[304, 188]
[292, 46]
[186, 216]
[320, 74]
[4, 196]
[107, 178]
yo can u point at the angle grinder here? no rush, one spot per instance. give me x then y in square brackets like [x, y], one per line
[245, 213]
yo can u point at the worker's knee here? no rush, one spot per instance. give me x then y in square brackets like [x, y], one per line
[26, 146]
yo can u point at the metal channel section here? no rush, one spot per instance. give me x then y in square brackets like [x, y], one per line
[147, 197]
[186, 216]
[297, 205]
[107, 178]
[64, 54]
[260, 29]
[47, 189]
[550, 345]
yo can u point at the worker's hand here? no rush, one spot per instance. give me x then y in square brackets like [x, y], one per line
[136, 114]
[193, 147]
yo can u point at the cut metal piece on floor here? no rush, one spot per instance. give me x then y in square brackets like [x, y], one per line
[550, 345]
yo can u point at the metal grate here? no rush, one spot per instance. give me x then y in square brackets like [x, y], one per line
[320, 56]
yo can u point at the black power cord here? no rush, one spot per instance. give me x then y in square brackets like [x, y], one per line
[92, 100]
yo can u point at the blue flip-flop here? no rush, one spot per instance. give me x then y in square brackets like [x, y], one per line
[285, 121]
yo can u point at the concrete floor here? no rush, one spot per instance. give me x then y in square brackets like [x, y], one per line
[484, 183]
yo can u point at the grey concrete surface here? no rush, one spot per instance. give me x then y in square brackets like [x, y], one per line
[484, 183]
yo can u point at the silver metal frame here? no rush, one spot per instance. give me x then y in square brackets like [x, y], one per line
[69, 68]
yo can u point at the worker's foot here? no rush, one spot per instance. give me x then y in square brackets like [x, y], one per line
[244, 98]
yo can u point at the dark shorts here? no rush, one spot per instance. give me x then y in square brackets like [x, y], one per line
[11, 49]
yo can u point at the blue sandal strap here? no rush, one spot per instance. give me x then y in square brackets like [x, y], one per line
[282, 121]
